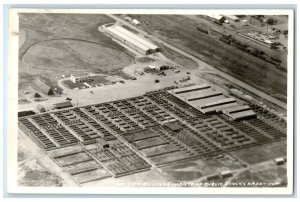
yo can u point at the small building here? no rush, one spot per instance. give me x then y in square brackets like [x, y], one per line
[44, 88]
[80, 77]
[213, 177]
[136, 22]
[232, 18]
[104, 144]
[156, 66]
[239, 112]
[279, 161]
[41, 108]
[226, 174]
[217, 18]
[151, 68]
[245, 23]
[63, 105]
[26, 113]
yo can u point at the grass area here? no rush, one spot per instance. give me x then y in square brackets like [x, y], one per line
[74, 54]
[121, 74]
[275, 176]
[259, 154]
[183, 172]
[178, 58]
[56, 44]
[98, 80]
[71, 85]
[145, 59]
[181, 32]
[185, 175]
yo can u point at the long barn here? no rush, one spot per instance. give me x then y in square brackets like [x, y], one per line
[133, 41]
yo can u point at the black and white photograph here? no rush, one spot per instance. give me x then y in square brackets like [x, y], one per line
[164, 99]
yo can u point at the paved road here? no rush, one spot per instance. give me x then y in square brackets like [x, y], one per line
[201, 64]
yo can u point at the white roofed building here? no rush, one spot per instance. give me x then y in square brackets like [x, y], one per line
[136, 22]
[232, 18]
[80, 77]
[133, 40]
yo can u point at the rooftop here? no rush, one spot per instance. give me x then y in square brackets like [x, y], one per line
[79, 74]
[63, 104]
[191, 88]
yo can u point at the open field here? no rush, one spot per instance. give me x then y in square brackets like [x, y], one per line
[178, 58]
[272, 177]
[176, 31]
[75, 55]
[144, 59]
[254, 155]
[35, 168]
[33, 174]
[52, 45]
[194, 170]
[148, 178]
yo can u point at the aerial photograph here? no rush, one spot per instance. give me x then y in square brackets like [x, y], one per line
[152, 100]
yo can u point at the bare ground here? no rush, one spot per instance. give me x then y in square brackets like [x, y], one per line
[52, 45]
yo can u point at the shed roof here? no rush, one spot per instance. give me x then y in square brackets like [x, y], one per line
[115, 30]
[63, 104]
[136, 37]
[191, 88]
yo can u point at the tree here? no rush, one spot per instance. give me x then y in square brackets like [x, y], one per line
[36, 95]
[50, 92]
[270, 21]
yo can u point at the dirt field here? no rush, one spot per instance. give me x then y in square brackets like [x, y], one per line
[182, 33]
[148, 178]
[259, 154]
[74, 55]
[52, 45]
[195, 170]
[264, 178]
[144, 59]
[33, 174]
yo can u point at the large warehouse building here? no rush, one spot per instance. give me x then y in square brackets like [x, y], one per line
[133, 41]
[208, 100]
